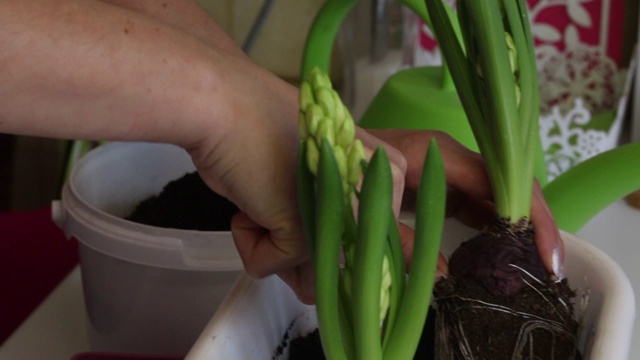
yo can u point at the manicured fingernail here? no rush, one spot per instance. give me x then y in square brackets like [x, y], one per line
[556, 264]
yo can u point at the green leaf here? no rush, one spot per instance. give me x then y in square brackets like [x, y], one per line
[306, 197]
[373, 227]
[328, 232]
[394, 253]
[505, 127]
[430, 214]
[322, 35]
[581, 192]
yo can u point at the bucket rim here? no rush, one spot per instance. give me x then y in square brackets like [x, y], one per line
[128, 240]
[117, 219]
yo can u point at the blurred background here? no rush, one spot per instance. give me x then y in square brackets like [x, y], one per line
[273, 33]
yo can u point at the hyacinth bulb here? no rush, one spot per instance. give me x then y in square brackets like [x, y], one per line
[501, 258]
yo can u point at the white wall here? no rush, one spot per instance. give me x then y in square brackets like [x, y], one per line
[280, 44]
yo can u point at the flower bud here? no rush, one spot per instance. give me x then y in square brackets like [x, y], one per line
[313, 116]
[317, 78]
[325, 131]
[385, 287]
[306, 95]
[313, 156]
[346, 133]
[340, 110]
[513, 53]
[341, 159]
[324, 98]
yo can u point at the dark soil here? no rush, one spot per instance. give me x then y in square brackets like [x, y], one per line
[309, 347]
[496, 341]
[500, 303]
[186, 203]
[492, 324]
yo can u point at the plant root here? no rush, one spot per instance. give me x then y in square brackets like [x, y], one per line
[535, 323]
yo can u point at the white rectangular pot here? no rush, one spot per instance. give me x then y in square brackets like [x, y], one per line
[251, 322]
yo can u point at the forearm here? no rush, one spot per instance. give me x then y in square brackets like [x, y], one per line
[185, 15]
[87, 69]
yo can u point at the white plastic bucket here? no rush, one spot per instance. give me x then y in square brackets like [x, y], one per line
[147, 289]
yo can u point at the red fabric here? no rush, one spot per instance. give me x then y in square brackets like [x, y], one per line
[35, 257]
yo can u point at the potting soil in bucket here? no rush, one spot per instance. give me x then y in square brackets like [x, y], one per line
[147, 289]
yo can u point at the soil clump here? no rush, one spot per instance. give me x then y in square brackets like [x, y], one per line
[186, 203]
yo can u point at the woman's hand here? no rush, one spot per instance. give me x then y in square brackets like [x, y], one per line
[254, 165]
[469, 191]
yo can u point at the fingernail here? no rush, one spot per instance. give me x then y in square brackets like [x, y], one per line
[556, 264]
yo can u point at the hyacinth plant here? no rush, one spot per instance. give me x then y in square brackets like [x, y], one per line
[495, 75]
[367, 306]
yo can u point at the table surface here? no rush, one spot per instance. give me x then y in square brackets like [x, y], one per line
[56, 330]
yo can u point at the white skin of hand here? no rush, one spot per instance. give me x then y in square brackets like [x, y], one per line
[267, 232]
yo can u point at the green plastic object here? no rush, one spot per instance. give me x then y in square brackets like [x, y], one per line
[415, 99]
[583, 191]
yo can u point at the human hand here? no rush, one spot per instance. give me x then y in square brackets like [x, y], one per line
[469, 191]
[261, 180]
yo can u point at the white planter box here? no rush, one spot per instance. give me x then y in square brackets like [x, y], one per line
[251, 322]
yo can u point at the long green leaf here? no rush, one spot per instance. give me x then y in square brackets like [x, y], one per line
[394, 253]
[528, 111]
[322, 35]
[328, 232]
[455, 58]
[430, 215]
[461, 72]
[419, 7]
[502, 118]
[345, 283]
[375, 204]
[464, 76]
[581, 192]
[506, 132]
[306, 197]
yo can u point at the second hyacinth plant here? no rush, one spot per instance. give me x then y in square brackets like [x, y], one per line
[498, 291]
